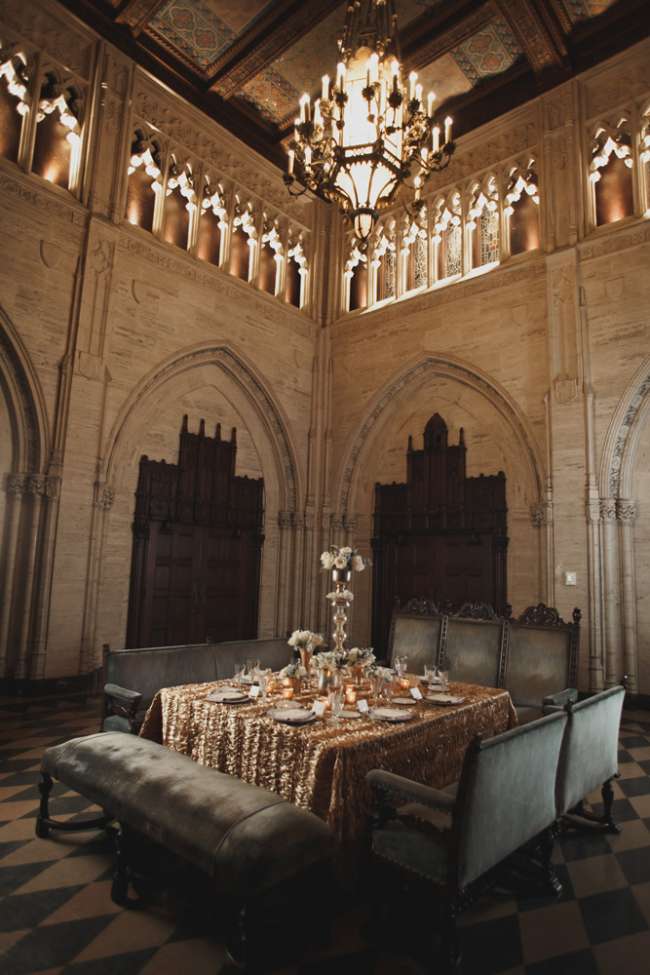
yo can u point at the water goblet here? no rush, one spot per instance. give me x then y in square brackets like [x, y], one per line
[263, 678]
[444, 679]
[335, 698]
[430, 671]
[401, 665]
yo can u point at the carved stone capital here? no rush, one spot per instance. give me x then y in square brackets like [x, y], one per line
[592, 511]
[104, 497]
[626, 510]
[538, 514]
[608, 509]
[16, 484]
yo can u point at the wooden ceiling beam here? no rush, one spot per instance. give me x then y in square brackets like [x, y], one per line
[539, 33]
[266, 39]
[439, 31]
[136, 14]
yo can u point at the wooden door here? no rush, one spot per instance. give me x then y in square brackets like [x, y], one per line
[197, 547]
[440, 535]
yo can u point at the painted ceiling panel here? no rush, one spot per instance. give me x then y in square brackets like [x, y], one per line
[491, 51]
[201, 30]
[584, 9]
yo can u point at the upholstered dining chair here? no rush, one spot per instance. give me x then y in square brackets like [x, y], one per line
[474, 648]
[454, 839]
[415, 631]
[589, 756]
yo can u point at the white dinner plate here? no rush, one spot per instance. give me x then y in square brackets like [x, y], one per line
[293, 716]
[447, 699]
[227, 695]
[402, 700]
[391, 714]
[350, 714]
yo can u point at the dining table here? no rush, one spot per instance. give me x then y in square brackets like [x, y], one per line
[321, 766]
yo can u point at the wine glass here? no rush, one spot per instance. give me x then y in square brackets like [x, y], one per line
[263, 678]
[430, 672]
[335, 698]
[401, 665]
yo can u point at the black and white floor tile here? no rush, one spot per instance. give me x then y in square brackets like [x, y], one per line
[57, 918]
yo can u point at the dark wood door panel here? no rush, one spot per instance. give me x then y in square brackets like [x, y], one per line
[197, 546]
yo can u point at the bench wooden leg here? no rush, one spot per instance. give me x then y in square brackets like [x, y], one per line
[606, 821]
[122, 870]
[44, 822]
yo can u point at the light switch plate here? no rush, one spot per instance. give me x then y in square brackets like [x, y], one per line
[570, 579]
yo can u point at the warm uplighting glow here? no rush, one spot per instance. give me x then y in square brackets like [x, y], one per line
[370, 134]
[13, 68]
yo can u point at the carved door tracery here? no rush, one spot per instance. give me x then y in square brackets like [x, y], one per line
[197, 542]
[439, 536]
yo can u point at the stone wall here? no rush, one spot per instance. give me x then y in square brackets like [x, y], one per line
[108, 335]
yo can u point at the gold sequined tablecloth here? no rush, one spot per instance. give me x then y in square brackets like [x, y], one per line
[322, 766]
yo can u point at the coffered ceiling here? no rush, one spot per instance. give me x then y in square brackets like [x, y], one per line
[246, 62]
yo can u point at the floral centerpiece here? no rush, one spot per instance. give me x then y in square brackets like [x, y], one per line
[341, 562]
[305, 642]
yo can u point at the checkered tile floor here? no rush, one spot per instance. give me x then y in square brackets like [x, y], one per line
[56, 915]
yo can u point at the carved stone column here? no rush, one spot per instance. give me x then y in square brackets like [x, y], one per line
[596, 661]
[15, 487]
[626, 511]
[286, 572]
[611, 596]
[90, 656]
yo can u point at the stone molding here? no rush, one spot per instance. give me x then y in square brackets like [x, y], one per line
[33, 485]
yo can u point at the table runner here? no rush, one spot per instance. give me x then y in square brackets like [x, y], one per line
[322, 766]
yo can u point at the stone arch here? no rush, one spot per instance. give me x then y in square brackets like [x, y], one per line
[198, 368]
[422, 371]
[25, 522]
[618, 451]
[22, 391]
[253, 389]
[372, 447]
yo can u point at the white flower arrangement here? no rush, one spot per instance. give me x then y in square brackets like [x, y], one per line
[384, 673]
[305, 638]
[345, 558]
[345, 594]
[360, 655]
[325, 660]
[294, 669]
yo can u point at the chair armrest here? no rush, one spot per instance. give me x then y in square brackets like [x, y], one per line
[122, 702]
[561, 699]
[387, 785]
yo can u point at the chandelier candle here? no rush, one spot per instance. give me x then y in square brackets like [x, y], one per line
[364, 141]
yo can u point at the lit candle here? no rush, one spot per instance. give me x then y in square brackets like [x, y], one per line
[287, 692]
[436, 138]
[417, 182]
[318, 119]
[350, 694]
[325, 91]
[418, 92]
[307, 157]
[374, 68]
[304, 104]
[431, 97]
[394, 68]
[340, 75]
[412, 79]
[291, 161]
[448, 124]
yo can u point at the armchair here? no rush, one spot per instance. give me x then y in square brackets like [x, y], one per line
[416, 631]
[589, 757]
[455, 839]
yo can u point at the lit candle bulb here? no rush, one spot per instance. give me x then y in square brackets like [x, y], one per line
[307, 157]
[340, 75]
[291, 160]
[304, 101]
[448, 124]
[325, 91]
[417, 183]
[318, 119]
[431, 97]
[418, 93]
[394, 69]
[412, 79]
[435, 133]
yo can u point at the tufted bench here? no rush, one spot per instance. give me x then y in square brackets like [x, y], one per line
[249, 841]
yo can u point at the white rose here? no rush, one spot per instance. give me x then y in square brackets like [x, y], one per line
[340, 562]
[357, 563]
[347, 551]
[327, 560]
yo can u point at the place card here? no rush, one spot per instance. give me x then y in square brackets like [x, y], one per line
[255, 691]
[362, 706]
[318, 707]
[416, 693]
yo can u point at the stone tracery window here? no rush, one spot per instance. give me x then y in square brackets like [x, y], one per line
[356, 278]
[415, 251]
[14, 99]
[180, 209]
[242, 240]
[57, 150]
[483, 223]
[448, 237]
[522, 207]
[384, 262]
[213, 223]
[145, 183]
[610, 170]
[271, 257]
[295, 289]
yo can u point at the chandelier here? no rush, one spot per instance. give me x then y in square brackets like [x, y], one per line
[368, 134]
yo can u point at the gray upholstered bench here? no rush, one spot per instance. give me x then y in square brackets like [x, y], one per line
[249, 841]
